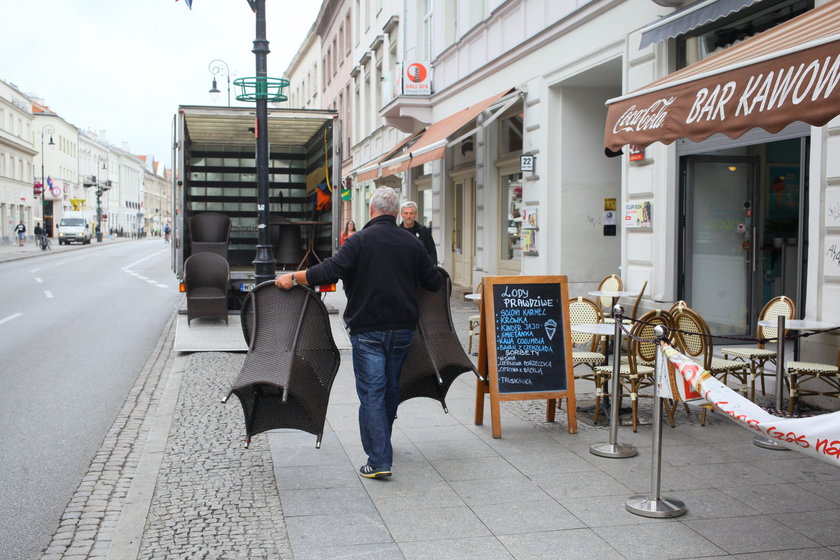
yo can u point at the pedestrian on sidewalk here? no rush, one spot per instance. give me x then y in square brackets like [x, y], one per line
[408, 212]
[20, 232]
[381, 267]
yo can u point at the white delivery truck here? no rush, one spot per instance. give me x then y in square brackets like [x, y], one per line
[215, 171]
[75, 226]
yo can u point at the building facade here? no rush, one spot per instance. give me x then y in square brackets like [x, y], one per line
[509, 164]
[17, 201]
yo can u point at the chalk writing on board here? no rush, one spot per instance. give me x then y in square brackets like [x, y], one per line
[530, 356]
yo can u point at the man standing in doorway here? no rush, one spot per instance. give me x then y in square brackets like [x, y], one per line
[381, 268]
[408, 211]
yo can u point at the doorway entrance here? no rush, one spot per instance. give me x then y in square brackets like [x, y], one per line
[463, 229]
[742, 231]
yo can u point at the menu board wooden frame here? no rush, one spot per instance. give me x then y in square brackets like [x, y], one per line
[488, 360]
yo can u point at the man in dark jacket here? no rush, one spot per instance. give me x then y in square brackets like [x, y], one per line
[408, 211]
[381, 267]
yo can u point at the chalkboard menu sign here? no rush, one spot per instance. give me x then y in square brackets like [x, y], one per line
[530, 341]
[525, 345]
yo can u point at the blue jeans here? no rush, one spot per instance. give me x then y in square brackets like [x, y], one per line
[378, 357]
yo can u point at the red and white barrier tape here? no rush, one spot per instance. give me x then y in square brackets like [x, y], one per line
[816, 436]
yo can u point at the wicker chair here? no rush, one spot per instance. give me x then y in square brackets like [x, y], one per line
[210, 231]
[800, 373]
[436, 357]
[609, 283]
[759, 356]
[206, 278]
[291, 363]
[474, 321]
[583, 311]
[694, 339]
[634, 376]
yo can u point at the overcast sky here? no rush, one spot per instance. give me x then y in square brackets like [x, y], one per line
[124, 66]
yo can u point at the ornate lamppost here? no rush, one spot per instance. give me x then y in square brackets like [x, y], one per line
[262, 89]
[216, 67]
[50, 130]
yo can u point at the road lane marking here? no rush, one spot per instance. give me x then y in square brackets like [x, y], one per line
[38, 280]
[10, 317]
[48, 294]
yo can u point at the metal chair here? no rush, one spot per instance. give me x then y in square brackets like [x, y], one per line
[694, 339]
[586, 311]
[206, 278]
[758, 357]
[210, 231]
[611, 283]
[800, 373]
[634, 376]
[475, 320]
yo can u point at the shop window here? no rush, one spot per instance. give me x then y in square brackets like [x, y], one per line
[511, 218]
[710, 39]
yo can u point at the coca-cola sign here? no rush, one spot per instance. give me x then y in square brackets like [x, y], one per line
[635, 119]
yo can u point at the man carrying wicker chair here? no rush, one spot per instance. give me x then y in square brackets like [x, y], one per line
[381, 266]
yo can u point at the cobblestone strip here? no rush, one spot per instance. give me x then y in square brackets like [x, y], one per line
[87, 526]
[214, 498]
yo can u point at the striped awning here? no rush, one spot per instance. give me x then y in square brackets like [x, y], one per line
[691, 17]
[785, 74]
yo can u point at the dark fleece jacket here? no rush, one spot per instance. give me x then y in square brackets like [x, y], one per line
[381, 267]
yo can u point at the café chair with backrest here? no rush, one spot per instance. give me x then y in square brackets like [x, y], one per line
[584, 346]
[694, 339]
[611, 283]
[210, 231]
[634, 376]
[812, 373]
[758, 356]
[206, 279]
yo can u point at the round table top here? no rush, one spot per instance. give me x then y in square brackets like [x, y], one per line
[798, 324]
[611, 293]
[473, 296]
[602, 329]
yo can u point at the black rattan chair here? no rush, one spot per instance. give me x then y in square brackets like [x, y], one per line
[210, 231]
[206, 278]
[292, 361]
[436, 357]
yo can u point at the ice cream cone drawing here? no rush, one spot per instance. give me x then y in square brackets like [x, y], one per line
[550, 328]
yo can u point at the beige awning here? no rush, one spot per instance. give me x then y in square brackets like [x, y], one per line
[431, 143]
[785, 74]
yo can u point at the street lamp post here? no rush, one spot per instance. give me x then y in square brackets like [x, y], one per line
[101, 188]
[216, 67]
[46, 129]
[264, 263]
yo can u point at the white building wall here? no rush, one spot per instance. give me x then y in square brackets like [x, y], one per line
[16, 154]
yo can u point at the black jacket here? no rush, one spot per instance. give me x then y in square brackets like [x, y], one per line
[424, 234]
[381, 267]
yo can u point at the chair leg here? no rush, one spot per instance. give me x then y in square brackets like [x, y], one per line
[670, 407]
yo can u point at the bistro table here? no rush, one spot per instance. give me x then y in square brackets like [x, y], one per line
[474, 297]
[782, 324]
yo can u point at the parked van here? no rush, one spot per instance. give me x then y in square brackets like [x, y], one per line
[75, 225]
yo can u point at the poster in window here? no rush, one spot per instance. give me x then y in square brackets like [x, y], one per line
[530, 217]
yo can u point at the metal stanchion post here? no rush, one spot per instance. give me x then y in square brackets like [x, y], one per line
[612, 449]
[655, 505]
[762, 440]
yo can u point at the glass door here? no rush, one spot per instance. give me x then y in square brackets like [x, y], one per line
[718, 264]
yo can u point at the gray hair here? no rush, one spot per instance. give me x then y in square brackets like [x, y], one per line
[409, 204]
[385, 200]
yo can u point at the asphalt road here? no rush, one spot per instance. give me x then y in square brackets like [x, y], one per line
[76, 328]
